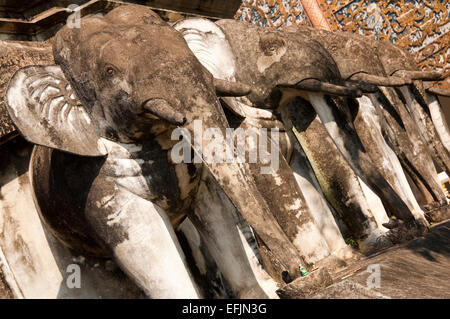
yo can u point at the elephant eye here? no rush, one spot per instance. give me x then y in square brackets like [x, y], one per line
[110, 71]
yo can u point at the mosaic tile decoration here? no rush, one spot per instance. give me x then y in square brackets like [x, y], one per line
[423, 27]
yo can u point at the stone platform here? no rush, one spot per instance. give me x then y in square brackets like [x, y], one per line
[418, 269]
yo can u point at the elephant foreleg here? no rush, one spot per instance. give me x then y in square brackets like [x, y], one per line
[426, 127]
[315, 199]
[369, 128]
[354, 153]
[410, 149]
[338, 181]
[280, 190]
[141, 238]
[438, 118]
[214, 216]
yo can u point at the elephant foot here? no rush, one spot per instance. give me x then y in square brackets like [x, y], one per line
[303, 287]
[376, 241]
[332, 263]
[399, 232]
[436, 213]
[407, 231]
[423, 226]
[347, 254]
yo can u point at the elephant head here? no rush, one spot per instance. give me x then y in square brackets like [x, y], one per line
[420, 98]
[420, 113]
[227, 49]
[129, 78]
[355, 61]
[288, 63]
[362, 59]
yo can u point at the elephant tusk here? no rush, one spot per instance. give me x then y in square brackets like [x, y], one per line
[420, 75]
[228, 88]
[364, 87]
[325, 87]
[162, 109]
[381, 80]
[438, 91]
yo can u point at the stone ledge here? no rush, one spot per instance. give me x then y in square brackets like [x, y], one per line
[303, 287]
[439, 214]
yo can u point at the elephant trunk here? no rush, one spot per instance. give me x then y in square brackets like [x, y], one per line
[438, 118]
[419, 75]
[380, 80]
[337, 179]
[235, 179]
[420, 112]
[414, 156]
[352, 149]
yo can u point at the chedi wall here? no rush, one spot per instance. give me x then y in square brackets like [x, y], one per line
[349, 137]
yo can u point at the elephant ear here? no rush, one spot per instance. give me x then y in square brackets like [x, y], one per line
[46, 110]
[210, 46]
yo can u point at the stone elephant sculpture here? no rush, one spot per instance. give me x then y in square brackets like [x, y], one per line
[385, 65]
[398, 62]
[300, 227]
[436, 113]
[358, 61]
[102, 172]
[421, 102]
[272, 68]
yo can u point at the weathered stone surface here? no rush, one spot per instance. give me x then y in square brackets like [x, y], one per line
[30, 8]
[14, 55]
[39, 20]
[5, 292]
[37, 261]
[436, 214]
[418, 269]
[339, 183]
[135, 125]
[302, 287]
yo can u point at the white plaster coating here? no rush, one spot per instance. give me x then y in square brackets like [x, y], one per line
[35, 262]
[208, 42]
[262, 277]
[391, 164]
[219, 220]
[310, 243]
[315, 200]
[370, 206]
[264, 62]
[438, 118]
[151, 254]
[195, 242]
[376, 206]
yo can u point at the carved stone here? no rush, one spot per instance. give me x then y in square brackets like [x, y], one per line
[103, 108]
[13, 56]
